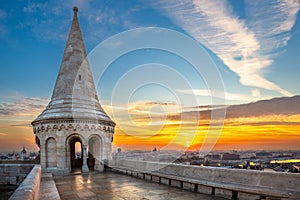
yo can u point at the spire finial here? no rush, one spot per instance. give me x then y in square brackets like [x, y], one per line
[75, 9]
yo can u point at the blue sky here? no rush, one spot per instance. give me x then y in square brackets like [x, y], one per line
[243, 50]
[254, 44]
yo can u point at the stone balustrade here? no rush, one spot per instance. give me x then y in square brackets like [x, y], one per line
[29, 188]
[239, 180]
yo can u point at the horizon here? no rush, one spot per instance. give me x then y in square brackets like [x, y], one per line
[115, 150]
[146, 91]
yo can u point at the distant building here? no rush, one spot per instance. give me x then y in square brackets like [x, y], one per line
[23, 154]
[213, 157]
[230, 156]
[11, 155]
[263, 154]
[3, 157]
[32, 155]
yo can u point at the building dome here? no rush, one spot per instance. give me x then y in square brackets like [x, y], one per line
[23, 151]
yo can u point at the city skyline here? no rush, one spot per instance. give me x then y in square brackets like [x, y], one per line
[254, 51]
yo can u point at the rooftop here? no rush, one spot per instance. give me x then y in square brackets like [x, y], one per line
[74, 95]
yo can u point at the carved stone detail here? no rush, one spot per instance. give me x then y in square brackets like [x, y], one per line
[40, 128]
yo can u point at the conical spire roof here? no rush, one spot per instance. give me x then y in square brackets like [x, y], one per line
[74, 95]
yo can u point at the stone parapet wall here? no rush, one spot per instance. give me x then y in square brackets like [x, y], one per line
[29, 188]
[275, 180]
[14, 173]
[32, 162]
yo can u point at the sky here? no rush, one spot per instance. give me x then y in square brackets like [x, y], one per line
[212, 53]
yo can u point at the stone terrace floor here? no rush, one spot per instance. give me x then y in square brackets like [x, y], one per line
[113, 186]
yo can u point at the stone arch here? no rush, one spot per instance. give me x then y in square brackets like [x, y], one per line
[95, 152]
[51, 153]
[62, 127]
[86, 127]
[78, 127]
[70, 126]
[73, 163]
[48, 128]
[74, 135]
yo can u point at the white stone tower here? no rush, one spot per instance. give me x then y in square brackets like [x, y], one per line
[74, 115]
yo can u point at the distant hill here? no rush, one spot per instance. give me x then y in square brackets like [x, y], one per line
[276, 106]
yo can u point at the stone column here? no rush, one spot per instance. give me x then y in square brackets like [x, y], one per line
[43, 154]
[85, 167]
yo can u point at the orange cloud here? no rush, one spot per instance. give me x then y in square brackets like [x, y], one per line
[146, 128]
[265, 132]
[15, 119]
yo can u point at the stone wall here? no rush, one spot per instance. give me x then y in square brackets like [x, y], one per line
[14, 173]
[276, 180]
[29, 188]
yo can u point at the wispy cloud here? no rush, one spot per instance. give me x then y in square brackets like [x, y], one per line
[228, 95]
[54, 18]
[142, 111]
[34, 7]
[2, 134]
[245, 46]
[16, 114]
[272, 22]
[23, 107]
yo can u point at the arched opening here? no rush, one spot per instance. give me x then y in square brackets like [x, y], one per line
[94, 154]
[76, 153]
[51, 160]
[78, 150]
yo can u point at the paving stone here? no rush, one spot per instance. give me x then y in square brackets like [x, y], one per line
[113, 186]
